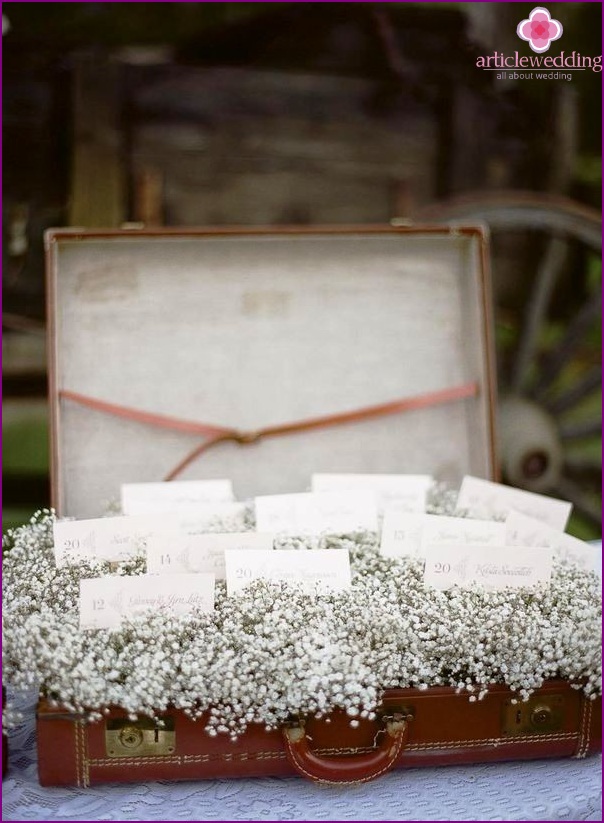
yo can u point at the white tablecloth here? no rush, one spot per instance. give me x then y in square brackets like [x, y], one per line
[531, 790]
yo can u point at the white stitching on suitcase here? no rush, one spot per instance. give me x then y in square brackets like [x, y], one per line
[585, 730]
[199, 758]
[581, 748]
[134, 761]
[454, 743]
[494, 741]
[399, 746]
[279, 755]
[351, 750]
[189, 758]
[77, 753]
[85, 770]
[587, 727]
[588, 730]
[81, 751]
[578, 753]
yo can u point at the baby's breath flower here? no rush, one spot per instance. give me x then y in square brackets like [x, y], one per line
[272, 651]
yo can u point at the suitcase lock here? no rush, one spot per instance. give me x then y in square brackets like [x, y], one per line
[139, 738]
[538, 715]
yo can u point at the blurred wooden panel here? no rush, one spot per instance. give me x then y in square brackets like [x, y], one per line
[98, 186]
[245, 147]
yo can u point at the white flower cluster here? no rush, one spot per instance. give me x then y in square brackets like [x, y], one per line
[442, 499]
[272, 651]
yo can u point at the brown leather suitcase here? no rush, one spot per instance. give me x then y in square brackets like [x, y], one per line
[433, 727]
[391, 313]
[288, 351]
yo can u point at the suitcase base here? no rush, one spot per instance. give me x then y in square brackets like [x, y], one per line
[435, 726]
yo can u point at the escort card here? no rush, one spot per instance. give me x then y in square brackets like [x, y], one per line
[106, 601]
[407, 534]
[322, 570]
[197, 519]
[402, 534]
[150, 498]
[105, 538]
[482, 498]
[441, 530]
[522, 530]
[313, 513]
[403, 492]
[171, 553]
[494, 567]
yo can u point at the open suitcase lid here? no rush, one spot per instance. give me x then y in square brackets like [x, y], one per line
[248, 329]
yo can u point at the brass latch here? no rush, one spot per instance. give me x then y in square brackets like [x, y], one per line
[139, 738]
[396, 712]
[539, 715]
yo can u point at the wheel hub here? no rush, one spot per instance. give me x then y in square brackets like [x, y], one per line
[530, 447]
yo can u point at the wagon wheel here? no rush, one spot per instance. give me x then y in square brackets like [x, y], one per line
[550, 389]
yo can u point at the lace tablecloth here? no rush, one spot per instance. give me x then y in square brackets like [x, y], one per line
[532, 790]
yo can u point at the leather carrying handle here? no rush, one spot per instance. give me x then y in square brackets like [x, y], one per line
[350, 769]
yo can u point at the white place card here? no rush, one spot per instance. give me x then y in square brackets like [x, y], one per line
[407, 534]
[522, 530]
[316, 512]
[106, 601]
[442, 530]
[485, 499]
[402, 534]
[402, 492]
[106, 538]
[172, 553]
[197, 519]
[317, 570]
[150, 498]
[494, 567]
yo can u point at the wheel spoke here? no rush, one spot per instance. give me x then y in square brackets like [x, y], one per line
[583, 463]
[583, 502]
[583, 430]
[577, 330]
[536, 375]
[575, 394]
[549, 270]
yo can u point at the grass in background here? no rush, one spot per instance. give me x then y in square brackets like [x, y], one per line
[25, 451]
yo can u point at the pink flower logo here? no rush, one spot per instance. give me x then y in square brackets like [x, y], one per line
[539, 30]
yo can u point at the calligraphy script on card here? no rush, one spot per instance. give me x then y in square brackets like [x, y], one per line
[493, 567]
[402, 534]
[488, 500]
[150, 498]
[402, 492]
[316, 570]
[200, 518]
[107, 601]
[407, 534]
[105, 538]
[316, 512]
[171, 553]
[522, 530]
[443, 529]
